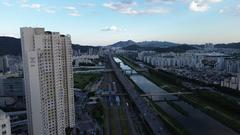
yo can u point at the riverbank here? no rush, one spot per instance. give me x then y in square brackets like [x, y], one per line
[213, 104]
[171, 123]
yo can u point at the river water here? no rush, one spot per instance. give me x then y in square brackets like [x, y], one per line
[196, 122]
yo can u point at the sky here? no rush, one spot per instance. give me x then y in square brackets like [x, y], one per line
[103, 22]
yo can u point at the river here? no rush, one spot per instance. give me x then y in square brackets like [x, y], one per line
[196, 122]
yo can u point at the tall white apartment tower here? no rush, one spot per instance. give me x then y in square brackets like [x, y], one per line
[48, 75]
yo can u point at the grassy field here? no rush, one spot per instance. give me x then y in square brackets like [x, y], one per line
[82, 80]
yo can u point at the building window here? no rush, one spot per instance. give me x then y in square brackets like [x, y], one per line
[4, 132]
[3, 125]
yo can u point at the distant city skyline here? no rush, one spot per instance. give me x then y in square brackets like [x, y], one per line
[92, 22]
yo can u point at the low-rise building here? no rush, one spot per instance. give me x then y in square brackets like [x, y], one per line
[5, 127]
[232, 82]
[10, 64]
[205, 65]
[85, 59]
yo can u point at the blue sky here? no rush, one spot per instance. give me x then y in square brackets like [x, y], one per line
[103, 22]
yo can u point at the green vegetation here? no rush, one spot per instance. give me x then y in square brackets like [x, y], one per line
[112, 121]
[230, 45]
[82, 80]
[129, 62]
[10, 46]
[215, 105]
[172, 124]
[236, 56]
[68, 131]
[105, 122]
[123, 120]
[98, 114]
[178, 108]
[179, 48]
[140, 91]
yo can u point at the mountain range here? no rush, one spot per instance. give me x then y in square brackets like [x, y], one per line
[12, 46]
[154, 44]
[178, 48]
[164, 46]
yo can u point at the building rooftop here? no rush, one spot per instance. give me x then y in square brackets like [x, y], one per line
[3, 115]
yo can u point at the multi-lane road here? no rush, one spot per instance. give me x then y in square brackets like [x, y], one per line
[118, 120]
[151, 118]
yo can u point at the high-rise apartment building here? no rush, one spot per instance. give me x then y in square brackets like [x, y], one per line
[48, 75]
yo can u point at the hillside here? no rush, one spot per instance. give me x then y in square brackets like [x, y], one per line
[84, 48]
[157, 44]
[230, 45]
[179, 48]
[123, 43]
[10, 45]
[154, 44]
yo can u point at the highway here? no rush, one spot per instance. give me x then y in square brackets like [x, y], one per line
[165, 94]
[94, 71]
[17, 113]
[18, 123]
[118, 116]
[151, 118]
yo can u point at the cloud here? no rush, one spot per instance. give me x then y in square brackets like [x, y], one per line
[232, 10]
[127, 7]
[7, 3]
[33, 6]
[112, 28]
[119, 6]
[201, 5]
[23, 1]
[156, 10]
[214, 1]
[50, 10]
[238, 9]
[157, 1]
[221, 11]
[87, 5]
[72, 11]
[38, 7]
[70, 8]
[198, 6]
[74, 14]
